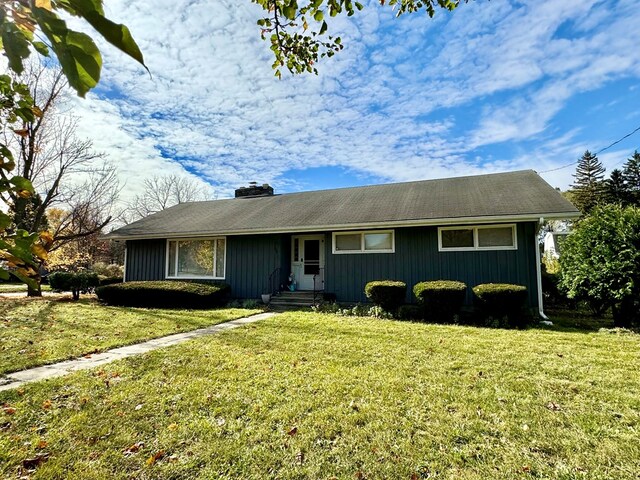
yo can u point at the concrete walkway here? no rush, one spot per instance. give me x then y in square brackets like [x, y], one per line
[16, 379]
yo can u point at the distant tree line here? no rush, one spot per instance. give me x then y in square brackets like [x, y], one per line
[590, 188]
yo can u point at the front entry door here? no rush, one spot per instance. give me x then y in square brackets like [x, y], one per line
[307, 261]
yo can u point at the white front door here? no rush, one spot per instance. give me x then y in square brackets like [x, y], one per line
[307, 261]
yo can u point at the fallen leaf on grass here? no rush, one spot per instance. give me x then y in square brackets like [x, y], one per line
[42, 444]
[35, 462]
[300, 458]
[173, 426]
[155, 457]
[526, 469]
[46, 404]
[135, 448]
[293, 431]
[8, 410]
[139, 406]
[554, 407]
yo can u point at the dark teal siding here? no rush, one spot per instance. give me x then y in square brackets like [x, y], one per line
[417, 259]
[250, 261]
[252, 258]
[145, 260]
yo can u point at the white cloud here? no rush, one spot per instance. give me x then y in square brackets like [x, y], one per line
[408, 98]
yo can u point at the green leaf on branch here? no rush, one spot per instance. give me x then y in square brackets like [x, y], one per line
[5, 221]
[77, 53]
[22, 183]
[15, 45]
[116, 34]
[41, 48]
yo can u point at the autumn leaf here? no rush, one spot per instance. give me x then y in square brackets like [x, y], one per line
[8, 410]
[39, 251]
[173, 426]
[293, 431]
[23, 132]
[46, 404]
[35, 462]
[42, 444]
[135, 448]
[46, 4]
[155, 457]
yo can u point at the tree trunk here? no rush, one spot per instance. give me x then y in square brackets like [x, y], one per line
[35, 292]
[623, 312]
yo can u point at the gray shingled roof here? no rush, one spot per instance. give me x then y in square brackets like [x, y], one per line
[521, 195]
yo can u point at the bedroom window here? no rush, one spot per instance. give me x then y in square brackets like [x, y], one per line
[481, 237]
[376, 241]
[196, 259]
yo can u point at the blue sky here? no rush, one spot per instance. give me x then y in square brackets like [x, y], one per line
[495, 86]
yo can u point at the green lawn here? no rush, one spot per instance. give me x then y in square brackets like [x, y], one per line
[41, 331]
[19, 287]
[319, 396]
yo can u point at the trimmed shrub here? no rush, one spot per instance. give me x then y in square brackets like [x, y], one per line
[441, 299]
[388, 294]
[74, 282]
[499, 300]
[165, 294]
[109, 280]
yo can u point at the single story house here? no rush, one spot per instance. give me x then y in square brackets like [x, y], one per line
[476, 229]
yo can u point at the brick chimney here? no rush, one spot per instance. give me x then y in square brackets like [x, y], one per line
[254, 190]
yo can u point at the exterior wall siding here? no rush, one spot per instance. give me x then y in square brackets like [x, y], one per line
[250, 261]
[417, 258]
[252, 258]
[145, 260]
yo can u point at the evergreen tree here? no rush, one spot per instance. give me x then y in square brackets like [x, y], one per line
[631, 176]
[588, 186]
[616, 190]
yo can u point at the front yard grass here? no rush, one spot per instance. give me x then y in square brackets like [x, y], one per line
[19, 287]
[305, 395]
[40, 331]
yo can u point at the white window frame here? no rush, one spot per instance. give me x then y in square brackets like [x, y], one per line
[195, 277]
[362, 233]
[476, 243]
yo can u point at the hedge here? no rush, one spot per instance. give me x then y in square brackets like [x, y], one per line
[165, 294]
[499, 300]
[74, 282]
[442, 299]
[388, 294]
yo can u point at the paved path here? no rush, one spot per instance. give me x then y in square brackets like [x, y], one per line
[24, 294]
[16, 379]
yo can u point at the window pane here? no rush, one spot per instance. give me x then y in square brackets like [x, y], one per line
[495, 237]
[195, 257]
[220, 243]
[172, 259]
[348, 242]
[377, 241]
[457, 238]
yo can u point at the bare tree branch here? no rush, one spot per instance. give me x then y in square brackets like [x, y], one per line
[162, 192]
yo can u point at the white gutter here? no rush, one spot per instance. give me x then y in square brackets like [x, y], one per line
[539, 270]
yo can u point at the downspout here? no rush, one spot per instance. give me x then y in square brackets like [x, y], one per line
[539, 270]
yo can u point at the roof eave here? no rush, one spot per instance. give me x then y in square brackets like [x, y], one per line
[358, 226]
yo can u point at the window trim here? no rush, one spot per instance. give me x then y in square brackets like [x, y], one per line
[194, 277]
[476, 243]
[362, 234]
